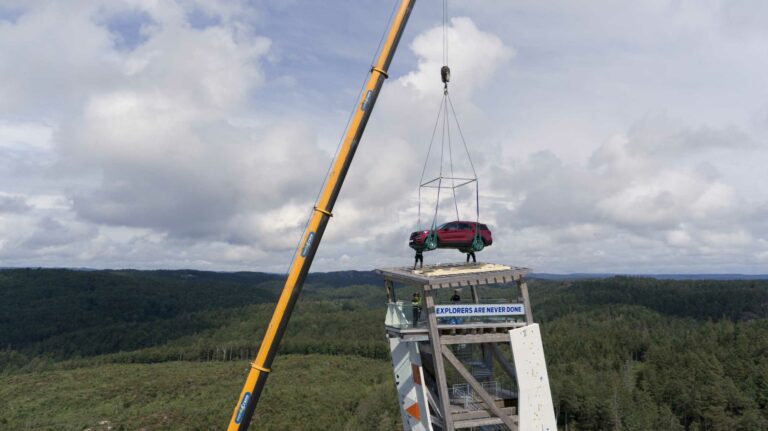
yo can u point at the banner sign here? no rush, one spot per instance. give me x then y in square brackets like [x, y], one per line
[469, 310]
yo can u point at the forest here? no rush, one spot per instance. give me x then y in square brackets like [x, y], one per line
[162, 350]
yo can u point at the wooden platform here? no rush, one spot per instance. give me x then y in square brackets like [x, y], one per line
[496, 332]
[419, 333]
[479, 327]
[466, 333]
[477, 418]
[470, 418]
[474, 423]
[454, 275]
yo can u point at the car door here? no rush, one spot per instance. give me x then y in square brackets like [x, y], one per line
[448, 235]
[467, 234]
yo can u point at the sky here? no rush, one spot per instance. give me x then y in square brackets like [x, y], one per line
[607, 136]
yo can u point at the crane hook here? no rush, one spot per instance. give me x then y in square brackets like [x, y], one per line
[445, 73]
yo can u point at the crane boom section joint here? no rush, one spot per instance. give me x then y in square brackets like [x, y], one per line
[381, 71]
[326, 212]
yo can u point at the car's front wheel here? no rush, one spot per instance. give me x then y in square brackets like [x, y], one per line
[430, 242]
[478, 244]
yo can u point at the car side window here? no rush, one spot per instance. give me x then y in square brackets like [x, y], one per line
[451, 226]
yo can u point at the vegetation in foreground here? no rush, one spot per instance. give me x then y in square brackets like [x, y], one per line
[169, 349]
[199, 396]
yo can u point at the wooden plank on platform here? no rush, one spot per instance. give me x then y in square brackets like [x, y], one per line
[475, 338]
[481, 414]
[474, 423]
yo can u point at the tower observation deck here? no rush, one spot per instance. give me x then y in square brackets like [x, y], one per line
[461, 361]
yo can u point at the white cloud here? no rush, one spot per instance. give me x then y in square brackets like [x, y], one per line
[608, 137]
[473, 56]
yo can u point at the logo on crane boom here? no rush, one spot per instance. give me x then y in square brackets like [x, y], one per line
[308, 244]
[243, 405]
[367, 101]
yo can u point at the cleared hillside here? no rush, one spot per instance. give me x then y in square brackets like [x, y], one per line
[198, 396]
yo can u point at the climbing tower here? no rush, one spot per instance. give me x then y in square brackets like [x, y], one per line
[465, 362]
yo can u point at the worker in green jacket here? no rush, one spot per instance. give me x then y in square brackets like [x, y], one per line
[416, 307]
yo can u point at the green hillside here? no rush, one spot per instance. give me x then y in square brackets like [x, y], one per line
[169, 350]
[199, 396]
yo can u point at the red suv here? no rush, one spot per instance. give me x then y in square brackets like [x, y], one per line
[455, 234]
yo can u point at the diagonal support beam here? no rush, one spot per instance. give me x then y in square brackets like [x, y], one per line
[433, 403]
[478, 388]
[508, 368]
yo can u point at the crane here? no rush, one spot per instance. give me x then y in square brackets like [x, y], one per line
[313, 233]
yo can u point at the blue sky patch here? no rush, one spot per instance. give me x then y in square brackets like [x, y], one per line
[127, 26]
[200, 20]
[10, 15]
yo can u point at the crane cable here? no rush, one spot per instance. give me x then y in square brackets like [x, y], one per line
[445, 113]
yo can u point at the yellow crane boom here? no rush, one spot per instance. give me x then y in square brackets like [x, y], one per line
[310, 240]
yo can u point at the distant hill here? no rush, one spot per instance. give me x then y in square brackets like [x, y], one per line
[345, 278]
[583, 276]
[39, 304]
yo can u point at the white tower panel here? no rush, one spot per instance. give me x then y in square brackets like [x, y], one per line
[409, 380]
[536, 412]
